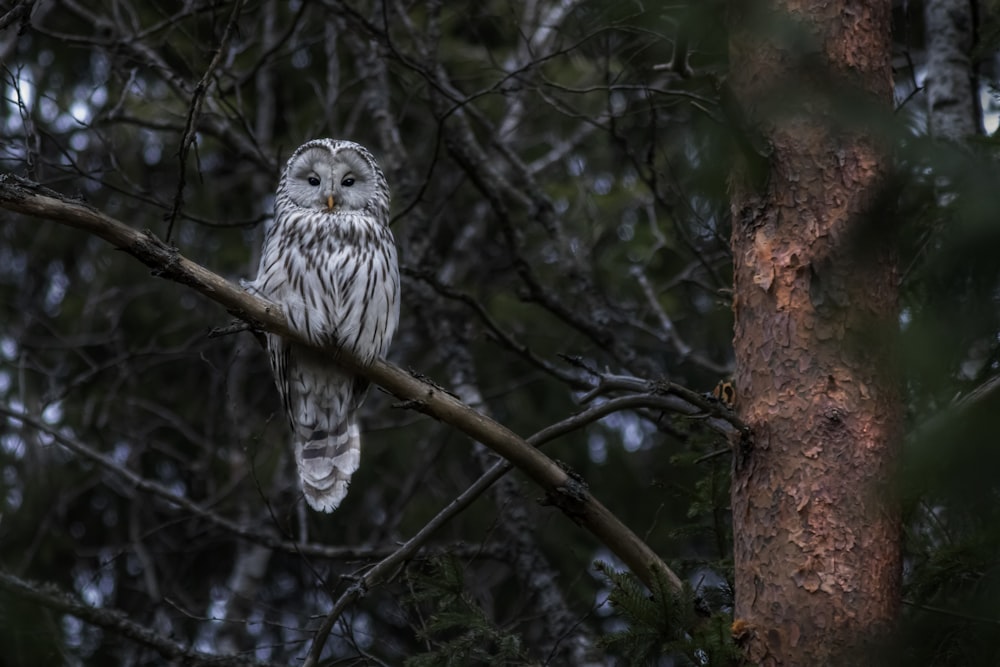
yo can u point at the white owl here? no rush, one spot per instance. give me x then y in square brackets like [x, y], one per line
[329, 260]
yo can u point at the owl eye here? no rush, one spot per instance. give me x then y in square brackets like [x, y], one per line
[313, 181]
[347, 182]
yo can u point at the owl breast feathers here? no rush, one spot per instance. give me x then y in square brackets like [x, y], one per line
[329, 260]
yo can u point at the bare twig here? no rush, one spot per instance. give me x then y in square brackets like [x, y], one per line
[195, 110]
[502, 336]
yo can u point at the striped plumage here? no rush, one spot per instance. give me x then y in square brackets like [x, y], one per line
[329, 260]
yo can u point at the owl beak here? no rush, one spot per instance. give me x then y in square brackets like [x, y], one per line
[330, 203]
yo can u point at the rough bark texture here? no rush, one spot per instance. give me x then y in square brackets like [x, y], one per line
[816, 541]
[952, 109]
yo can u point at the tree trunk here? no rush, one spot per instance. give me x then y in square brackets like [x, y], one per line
[952, 108]
[817, 553]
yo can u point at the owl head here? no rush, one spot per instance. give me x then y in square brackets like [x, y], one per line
[335, 176]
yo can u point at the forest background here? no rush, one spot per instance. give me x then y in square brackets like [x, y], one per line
[563, 176]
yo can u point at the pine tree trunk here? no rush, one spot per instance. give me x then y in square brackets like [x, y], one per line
[817, 553]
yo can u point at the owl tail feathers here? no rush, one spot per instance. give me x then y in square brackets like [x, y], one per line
[326, 462]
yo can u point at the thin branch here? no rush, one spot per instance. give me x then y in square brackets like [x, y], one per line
[147, 486]
[977, 399]
[19, 12]
[116, 621]
[683, 400]
[499, 334]
[195, 110]
[387, 568]
[953, 613]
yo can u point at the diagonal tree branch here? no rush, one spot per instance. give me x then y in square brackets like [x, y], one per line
[389, 567]
[563, 489]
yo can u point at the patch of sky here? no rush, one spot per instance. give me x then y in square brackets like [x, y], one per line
[597, 447]
[603, 184]
[12, 445]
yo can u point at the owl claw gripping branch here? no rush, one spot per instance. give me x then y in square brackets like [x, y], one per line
[329, 260]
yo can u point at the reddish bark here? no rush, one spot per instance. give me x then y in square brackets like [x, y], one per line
[816, 538]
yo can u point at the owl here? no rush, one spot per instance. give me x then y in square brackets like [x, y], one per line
[329, 260]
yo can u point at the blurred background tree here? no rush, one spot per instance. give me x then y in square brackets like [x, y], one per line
[559, 171]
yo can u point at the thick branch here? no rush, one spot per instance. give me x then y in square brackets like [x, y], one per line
[568, 494]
